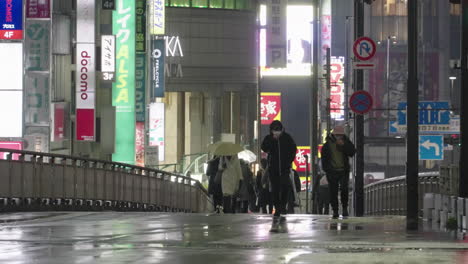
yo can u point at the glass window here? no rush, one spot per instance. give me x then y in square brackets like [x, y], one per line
[200, 3]
[229, 4]
[180, 3]
[216, 3]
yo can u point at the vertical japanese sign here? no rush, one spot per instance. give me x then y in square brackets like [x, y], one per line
[337, 88]
[299, 163]
[11, 19]
[38, 9]
[140, 144]
[158, 54]
[157, 17]
[276, 55]
[270, 108]
[326, 30]
[58, 121]
[37, 45]
[108, 57]
[140, 26]
[156, 128]
[85, 78]
[123, 90]
[140, 85]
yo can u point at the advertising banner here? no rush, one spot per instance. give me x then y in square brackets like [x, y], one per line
[108, 57]
[156, 128]
[37, 8]
[14, 145]
[299, 163]
[276, 34]
[85, 81]
[158, 54]
[123, 90]
[270, 107]
[58, 121]
[36, 99]
[140, 25]
[157, 17]
[140, 144]
[37, 45]
[337, 88]
[85, 21]
[11, 19]
[140, 85]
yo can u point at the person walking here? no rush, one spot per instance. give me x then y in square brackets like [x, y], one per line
[281, 150]
[231, 175]
[335, 162]
[246, 188]
[263, 188]
[214, 188]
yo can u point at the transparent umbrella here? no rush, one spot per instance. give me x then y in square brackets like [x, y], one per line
[247, 155]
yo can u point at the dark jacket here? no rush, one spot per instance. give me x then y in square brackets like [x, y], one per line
[348, 150]
[211, 171]
[281, 152]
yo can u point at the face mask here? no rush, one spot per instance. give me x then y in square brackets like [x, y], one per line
[276, 133]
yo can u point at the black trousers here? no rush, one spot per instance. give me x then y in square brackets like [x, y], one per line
[280, 190]
[338, 180]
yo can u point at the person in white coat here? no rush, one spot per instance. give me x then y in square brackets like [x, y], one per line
[232, 174]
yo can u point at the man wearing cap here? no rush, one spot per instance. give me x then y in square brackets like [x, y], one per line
[281, 150]
[335, 163]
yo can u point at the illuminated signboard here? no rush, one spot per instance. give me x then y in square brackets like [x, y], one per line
[108, 57]
[140, 144]
[38, 9]
[270, 107]
[140, 24]
[299, 163]
[123, 90]
[140, 86]
[13, 145]
[85, 91]
[157, 17]
[156, 128]
[337, 88]
[276, 34]
[298, 38]
[157, 67]
[11, 19]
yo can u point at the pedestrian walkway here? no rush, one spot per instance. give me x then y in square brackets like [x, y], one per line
[113, 237]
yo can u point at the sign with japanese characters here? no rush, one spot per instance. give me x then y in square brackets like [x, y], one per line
[157, 17]
[38, 9]
[11, 19]
[140, 25]
[299, 163]
[156, 128]
[158, 54]
[36, 99]
[37, 45]
[108, 57]
[123, 90]
[270, 107]
[276, 52]
[108, 4]
[337, 88]
[140, 86]
[140, 144]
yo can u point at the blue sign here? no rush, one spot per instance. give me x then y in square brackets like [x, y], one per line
[158, 53]
[392, 127]
[431, 147]
[11, 19]
[430, 113]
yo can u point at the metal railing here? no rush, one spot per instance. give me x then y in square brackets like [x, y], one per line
[388, 197]
[32, 180]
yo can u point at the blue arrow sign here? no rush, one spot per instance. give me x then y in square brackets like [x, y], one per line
[430, 113]
[431, 147]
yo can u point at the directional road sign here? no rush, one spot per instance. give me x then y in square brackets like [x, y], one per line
[431, 147]
[434, 117]
[364, 48]
[360, 102]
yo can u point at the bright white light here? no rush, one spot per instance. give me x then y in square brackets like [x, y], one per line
[11, 119]
[263, 15]
[299, 41]
[197, 177]
[452, 78]
[11, 66]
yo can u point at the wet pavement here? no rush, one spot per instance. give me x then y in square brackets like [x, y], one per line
[115, 237]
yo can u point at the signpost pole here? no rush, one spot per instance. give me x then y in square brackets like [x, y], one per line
[463, 182]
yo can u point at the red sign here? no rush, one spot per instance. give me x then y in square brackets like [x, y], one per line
[270, 107]
[360, 102]
[140, 144]
[59, 122]
[337, 88]
[299, 163]
[38, 9]
[16, 145]
[364, 48]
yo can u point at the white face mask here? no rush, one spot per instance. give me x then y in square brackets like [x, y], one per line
[276, 133]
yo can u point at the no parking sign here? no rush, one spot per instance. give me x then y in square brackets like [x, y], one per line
[360, 102]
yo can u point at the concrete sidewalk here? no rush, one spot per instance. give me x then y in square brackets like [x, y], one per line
[113, 237]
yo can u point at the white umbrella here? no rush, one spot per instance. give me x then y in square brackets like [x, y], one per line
[247, 155]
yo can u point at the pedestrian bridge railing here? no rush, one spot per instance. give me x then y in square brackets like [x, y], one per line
[34, 180]
[388, 197]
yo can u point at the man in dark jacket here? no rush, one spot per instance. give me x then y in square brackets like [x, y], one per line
[335, 163]
[281, 150]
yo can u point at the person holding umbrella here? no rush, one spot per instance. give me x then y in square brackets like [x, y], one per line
[281, 150]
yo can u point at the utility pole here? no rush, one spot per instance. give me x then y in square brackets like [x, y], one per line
[314, 101]
[359, 119]
[412, 139]
[463, 182]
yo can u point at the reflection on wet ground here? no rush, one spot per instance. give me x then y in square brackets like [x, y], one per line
[112, 237]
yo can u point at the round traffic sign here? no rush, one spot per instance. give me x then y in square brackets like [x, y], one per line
[360, 102]
[364, 48]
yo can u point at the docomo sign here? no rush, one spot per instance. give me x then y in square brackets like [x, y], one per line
[85, 91]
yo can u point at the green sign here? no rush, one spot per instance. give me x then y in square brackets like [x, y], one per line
[140, 86]
[140, 25]
[123, 90]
